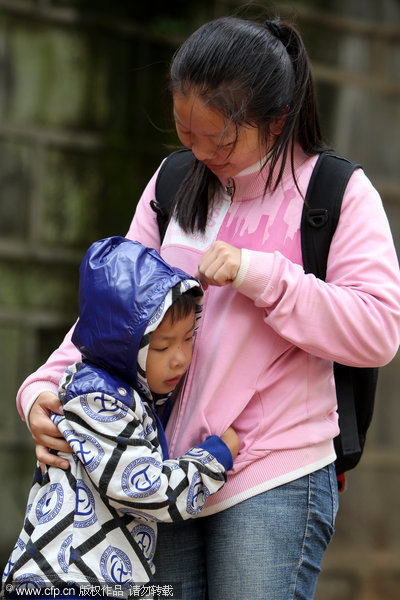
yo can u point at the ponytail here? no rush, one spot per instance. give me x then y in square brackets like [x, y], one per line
[302, 124]
[307, 130]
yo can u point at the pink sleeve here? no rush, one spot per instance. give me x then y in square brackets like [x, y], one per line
[47, 377]
[353, 317]
[143, 229]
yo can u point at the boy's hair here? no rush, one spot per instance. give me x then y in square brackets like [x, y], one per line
[181, 307]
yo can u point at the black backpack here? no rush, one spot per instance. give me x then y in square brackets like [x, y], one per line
[355, 387]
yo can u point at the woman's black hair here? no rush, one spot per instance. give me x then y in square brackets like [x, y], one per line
[252, 73]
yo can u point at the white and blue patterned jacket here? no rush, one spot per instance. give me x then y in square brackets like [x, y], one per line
[97, 521]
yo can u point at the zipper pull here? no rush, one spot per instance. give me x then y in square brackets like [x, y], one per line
[230, 188]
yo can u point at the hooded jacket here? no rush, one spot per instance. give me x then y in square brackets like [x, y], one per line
[96, 522]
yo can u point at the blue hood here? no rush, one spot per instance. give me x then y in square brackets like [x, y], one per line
[124, 291]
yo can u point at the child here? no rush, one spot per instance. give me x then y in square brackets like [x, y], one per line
[96, 522]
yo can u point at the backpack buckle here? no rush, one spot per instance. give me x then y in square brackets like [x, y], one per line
[317, 217]
[157, 208]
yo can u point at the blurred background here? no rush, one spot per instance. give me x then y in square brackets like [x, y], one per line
[83, 125]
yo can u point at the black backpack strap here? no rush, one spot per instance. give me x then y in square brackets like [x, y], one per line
[348, 442]
[321, 209]
[355, 391]
[320, 217]
[170, 176]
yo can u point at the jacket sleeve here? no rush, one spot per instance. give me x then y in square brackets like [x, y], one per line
[144, 228]
[353, 317]
[47, 377]
[121, 453]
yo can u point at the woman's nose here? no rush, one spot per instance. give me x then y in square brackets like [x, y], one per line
[203, 152]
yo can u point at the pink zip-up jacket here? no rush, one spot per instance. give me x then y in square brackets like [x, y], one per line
[264, 350]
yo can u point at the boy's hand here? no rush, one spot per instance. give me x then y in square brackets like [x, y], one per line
[231, 439]
[45, 433]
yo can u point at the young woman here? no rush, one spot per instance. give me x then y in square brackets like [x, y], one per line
[244, 103]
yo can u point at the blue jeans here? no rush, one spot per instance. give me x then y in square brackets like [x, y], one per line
[269, 547]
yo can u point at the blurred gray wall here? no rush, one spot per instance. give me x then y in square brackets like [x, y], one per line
[82, 128]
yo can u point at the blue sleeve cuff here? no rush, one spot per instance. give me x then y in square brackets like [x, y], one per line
[217, 447]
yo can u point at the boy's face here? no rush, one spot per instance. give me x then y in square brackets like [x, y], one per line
[170, 353]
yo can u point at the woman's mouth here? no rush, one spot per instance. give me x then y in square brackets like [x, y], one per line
[216, 167]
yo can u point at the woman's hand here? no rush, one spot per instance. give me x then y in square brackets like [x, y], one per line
[219, 265]
[45, 433]
[231, 439]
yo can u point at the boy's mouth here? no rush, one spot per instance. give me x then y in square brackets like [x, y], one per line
[173, 381]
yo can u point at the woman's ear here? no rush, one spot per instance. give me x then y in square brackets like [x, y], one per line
[278, 124]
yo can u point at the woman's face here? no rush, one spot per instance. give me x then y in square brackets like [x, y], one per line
[204, 130]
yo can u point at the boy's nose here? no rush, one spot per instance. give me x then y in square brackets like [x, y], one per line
[179, 358]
